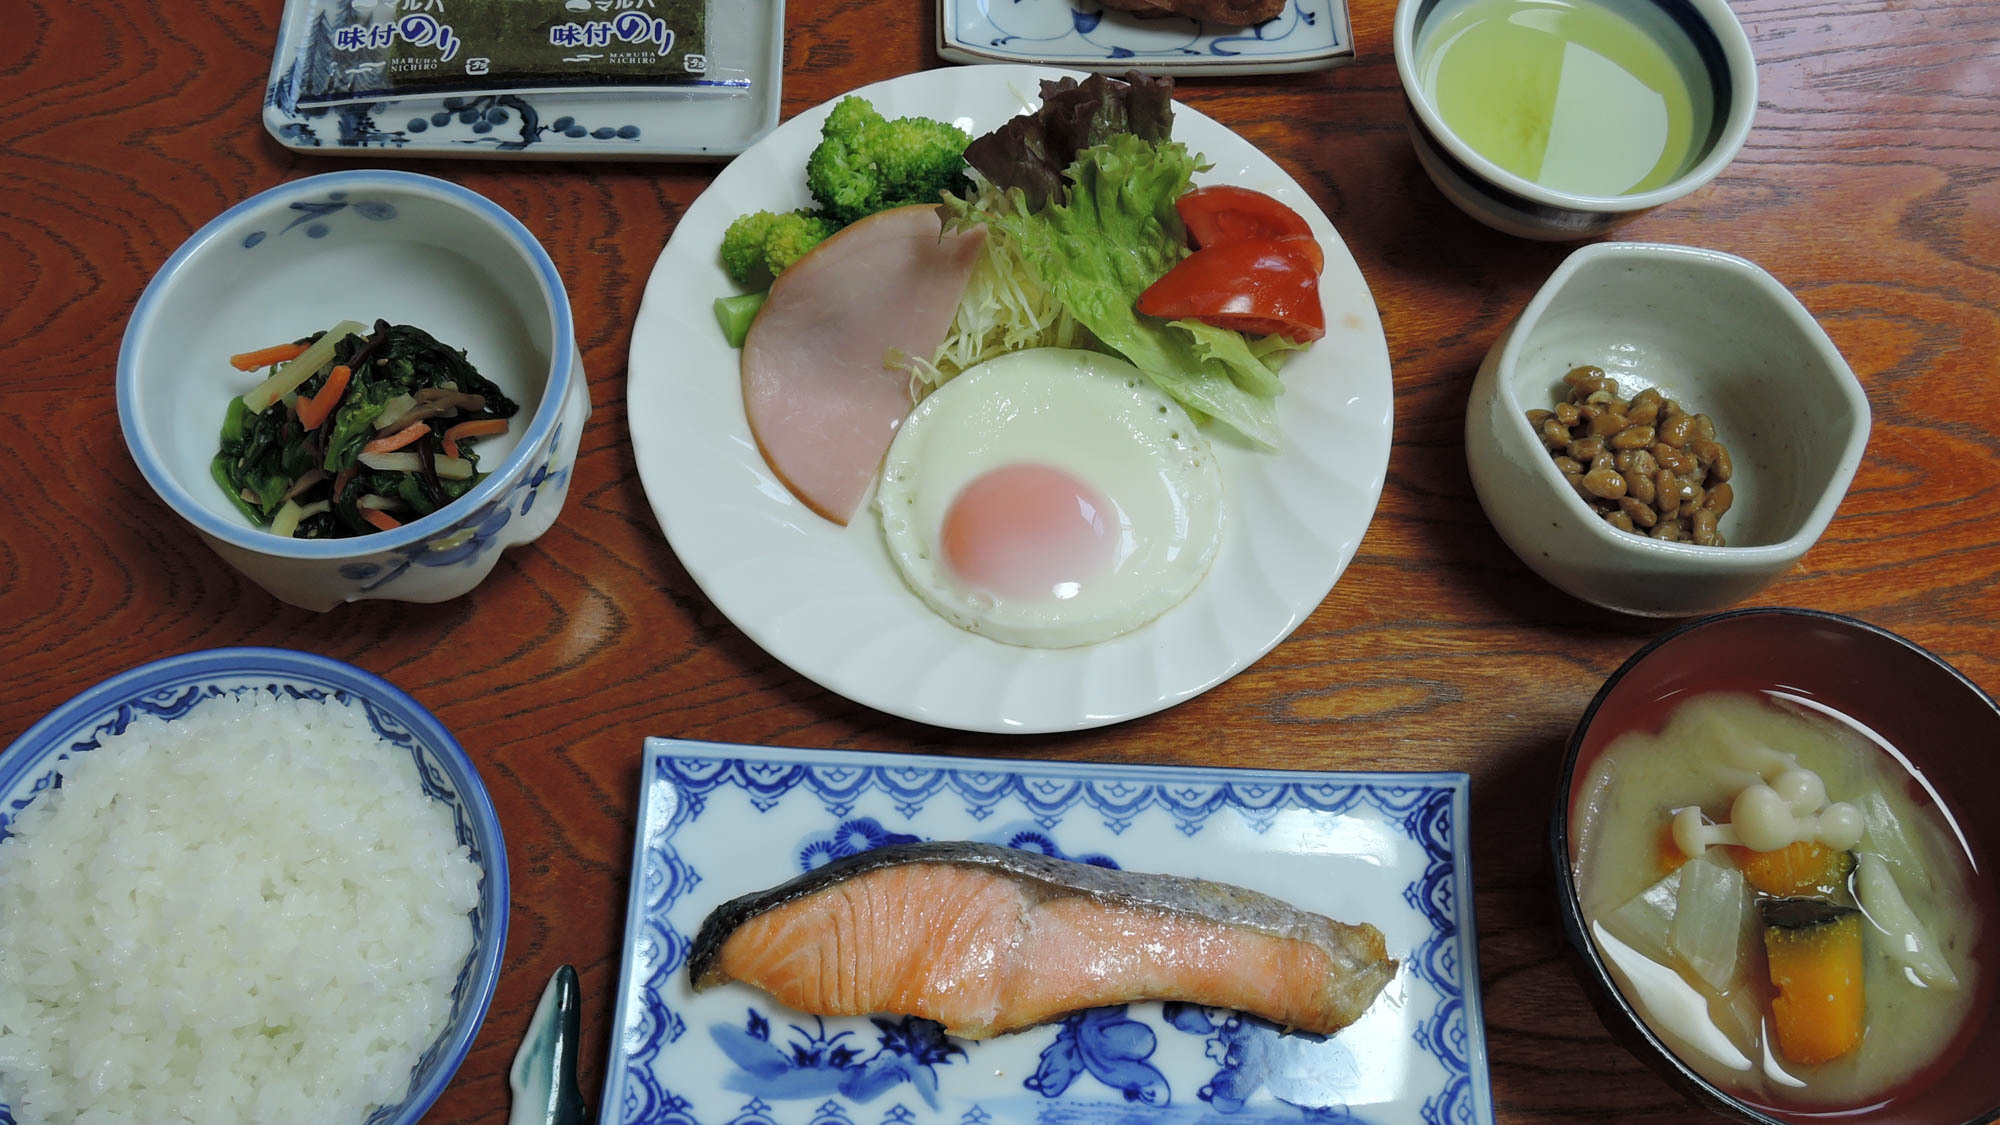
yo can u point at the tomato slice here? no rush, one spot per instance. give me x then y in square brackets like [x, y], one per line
[1222, 213]
[1259, 286]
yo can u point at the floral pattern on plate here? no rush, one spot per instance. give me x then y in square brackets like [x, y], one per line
[718, 821]
[1306, 35]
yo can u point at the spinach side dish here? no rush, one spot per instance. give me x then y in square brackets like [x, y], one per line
[355, 431]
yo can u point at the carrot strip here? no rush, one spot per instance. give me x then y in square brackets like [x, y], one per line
[314, 412]
[380, 519]
[397, 440]
[265, 357]
[481, 427]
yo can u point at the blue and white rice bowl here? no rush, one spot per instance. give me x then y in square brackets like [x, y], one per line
[358, 245]
[173, 689]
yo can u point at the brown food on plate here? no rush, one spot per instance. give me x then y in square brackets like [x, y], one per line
[1239, 13]
[987, 939]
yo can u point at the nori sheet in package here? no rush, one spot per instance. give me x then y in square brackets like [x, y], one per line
[365, 50]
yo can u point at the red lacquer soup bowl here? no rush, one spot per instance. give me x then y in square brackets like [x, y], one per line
[1943, 728]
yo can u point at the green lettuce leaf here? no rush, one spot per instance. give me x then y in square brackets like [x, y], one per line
[1116, 234]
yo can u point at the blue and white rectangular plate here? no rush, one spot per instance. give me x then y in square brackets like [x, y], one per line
[719, 821]
[1085, 35]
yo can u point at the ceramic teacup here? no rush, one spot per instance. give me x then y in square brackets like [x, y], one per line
[1707, 49]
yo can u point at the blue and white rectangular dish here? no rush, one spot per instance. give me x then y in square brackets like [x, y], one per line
[718, 821]
[1085, 35]
[744, 37]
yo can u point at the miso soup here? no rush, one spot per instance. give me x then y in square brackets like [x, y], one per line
[1782, 900]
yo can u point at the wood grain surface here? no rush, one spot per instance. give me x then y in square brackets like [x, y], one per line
[1870, 185]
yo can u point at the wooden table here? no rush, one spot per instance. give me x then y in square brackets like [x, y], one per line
[1870, 185]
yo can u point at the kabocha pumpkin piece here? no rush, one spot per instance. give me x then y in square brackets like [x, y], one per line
[1814, 948]
[1803, 868]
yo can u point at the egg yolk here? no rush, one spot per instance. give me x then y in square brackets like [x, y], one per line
[1028, 531]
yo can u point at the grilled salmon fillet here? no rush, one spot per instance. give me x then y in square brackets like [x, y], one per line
[987, 939]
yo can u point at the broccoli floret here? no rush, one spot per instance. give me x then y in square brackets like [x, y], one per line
[866, 163]
[849, 116]
[863, 164]
[761, 245]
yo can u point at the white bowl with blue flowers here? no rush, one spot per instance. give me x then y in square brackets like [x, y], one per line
[173, 688]
[358, 245]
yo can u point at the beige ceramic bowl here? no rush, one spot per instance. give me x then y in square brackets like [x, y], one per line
[1723, 337]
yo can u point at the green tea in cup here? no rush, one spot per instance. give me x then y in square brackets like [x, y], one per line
[1575, 95]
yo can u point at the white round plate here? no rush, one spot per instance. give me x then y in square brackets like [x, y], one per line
[827, 600]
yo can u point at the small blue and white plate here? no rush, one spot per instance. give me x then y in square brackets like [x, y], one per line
[1085, 35]
[719, 821]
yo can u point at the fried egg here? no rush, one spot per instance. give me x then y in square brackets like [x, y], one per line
[1051, 498]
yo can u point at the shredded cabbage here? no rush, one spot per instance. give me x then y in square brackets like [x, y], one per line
[1005, 308]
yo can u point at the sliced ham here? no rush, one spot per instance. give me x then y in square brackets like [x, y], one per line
[819, 387]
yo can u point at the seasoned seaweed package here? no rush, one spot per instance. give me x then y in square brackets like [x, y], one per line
[369, 50]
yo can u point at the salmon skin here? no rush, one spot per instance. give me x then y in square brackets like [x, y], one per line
[987, 939]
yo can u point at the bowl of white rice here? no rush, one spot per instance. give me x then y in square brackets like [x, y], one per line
[242, 885]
